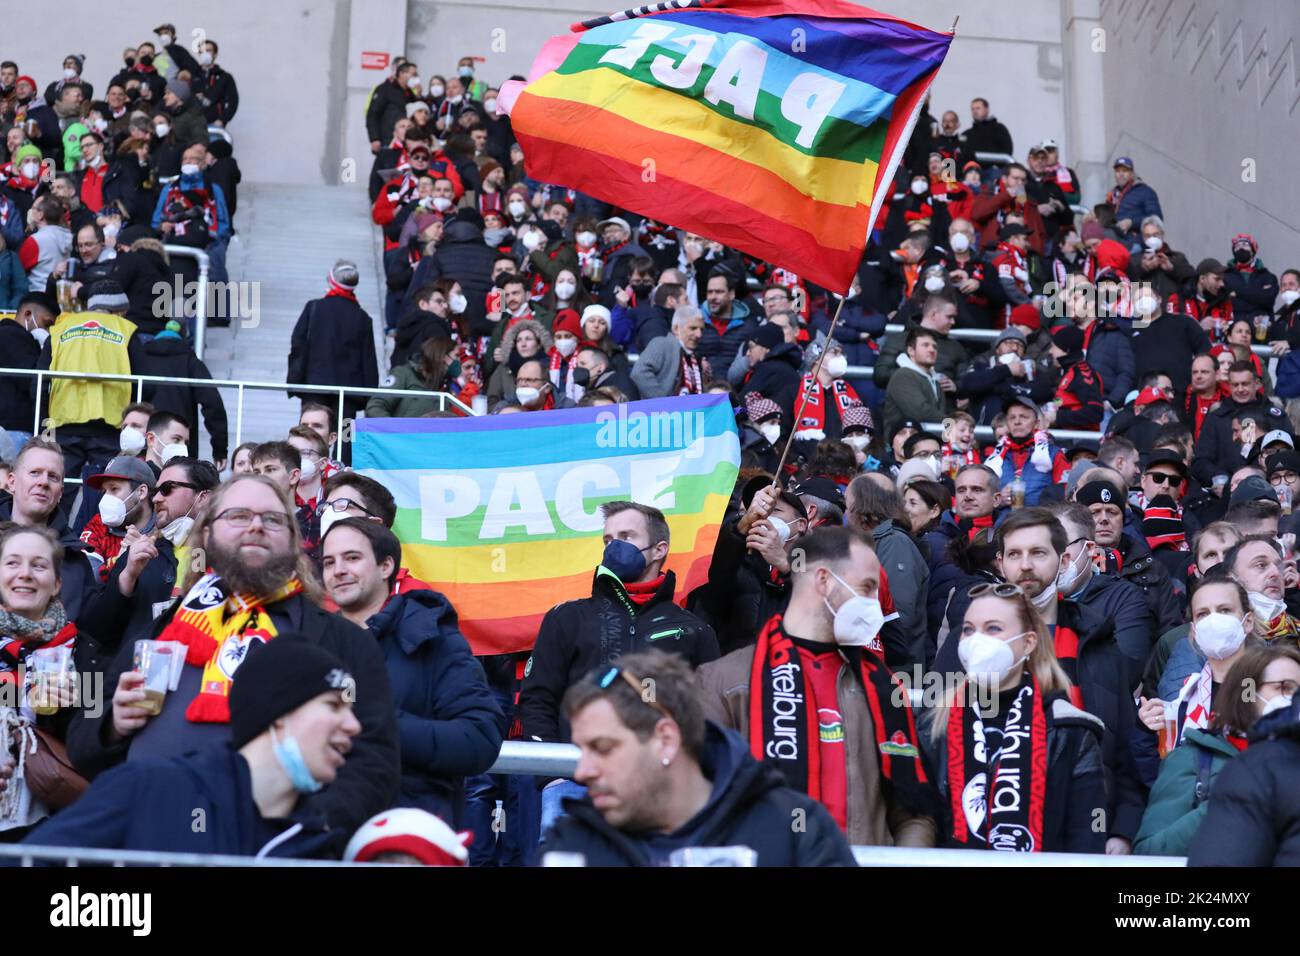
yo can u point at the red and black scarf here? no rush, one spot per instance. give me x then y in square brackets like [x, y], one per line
[783, 728]
[1065, 640]
[997, 798]
[690, 376]
[814, 410]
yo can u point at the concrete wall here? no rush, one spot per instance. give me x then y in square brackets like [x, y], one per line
[1205, 96]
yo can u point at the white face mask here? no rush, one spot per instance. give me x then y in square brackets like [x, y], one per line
[1046, 599]
[1278, 702]
[458, 303]
[162, 129]
[1073, 575]
[40, 335]
[532, 240]
[960, 242]
[517, 208]
[112, 510]
[455, 100]
[584, 238]
[564, 290]
[857, 442]
[189, 169]
[31, 169]
[111, 231]
[131, 441]
[1147, 305]
[413, 82]
[781, 527]
[919, 186]
[771, 431]
[1264, 607]
[526, 394]
[205, 58]
[441, 203]
[490, 104]
[437, 89]
[933, 284]
[858, 620]
[177, 531]
[1289, 296]
[100, 124]
[1219, 636]
[69, 73]
[174, 450]
[307, 471]
[565, 346]
[987, 659]
[1153, 243]
[836, 365]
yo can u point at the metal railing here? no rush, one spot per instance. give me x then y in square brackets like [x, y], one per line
[199, 330]
[220, 132]
[536, 757]
[920, 856]
[444, 399]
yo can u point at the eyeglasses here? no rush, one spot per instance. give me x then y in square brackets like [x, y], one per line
[342, 505]
[637, 685]
[243, 518]
[530, 381]
[1164, 478]
[1287, 688]
[167, 487]
[997, 589]
[1284, 476]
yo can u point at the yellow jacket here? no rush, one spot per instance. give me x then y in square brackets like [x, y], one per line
[96, 342]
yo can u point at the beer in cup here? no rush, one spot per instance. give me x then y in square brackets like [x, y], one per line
[154, 659]
[52, 678]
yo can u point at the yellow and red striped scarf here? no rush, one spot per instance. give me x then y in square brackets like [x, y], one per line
[217, 629]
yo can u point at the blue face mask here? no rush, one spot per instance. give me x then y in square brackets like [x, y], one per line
[625, 559]
[289, 754]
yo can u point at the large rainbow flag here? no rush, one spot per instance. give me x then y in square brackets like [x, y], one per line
[772, 126]
[501, 513]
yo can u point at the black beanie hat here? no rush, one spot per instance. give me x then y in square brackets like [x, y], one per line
[279, 676]
[1100, 492]
[768, 335]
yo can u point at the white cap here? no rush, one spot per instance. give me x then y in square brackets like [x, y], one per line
[407, 830]
[1278, 435]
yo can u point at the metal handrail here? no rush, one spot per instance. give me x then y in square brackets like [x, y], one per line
[922, 856]
[200, 329]
[220, 132]
[1062, 434]
[444, 398]
[989, 335]
[536, 757]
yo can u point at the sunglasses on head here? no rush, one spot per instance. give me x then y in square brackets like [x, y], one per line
[637, 684]
[997, 589]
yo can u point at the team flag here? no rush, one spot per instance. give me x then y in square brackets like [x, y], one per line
[772, 127]
[502, 513]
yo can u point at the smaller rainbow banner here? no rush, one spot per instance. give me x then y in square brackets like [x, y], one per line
[502, 513]
[773, 126]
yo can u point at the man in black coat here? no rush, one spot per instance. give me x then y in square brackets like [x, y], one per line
[630, 609]
[388, 105]
[262, 562]
[334, 342]
[603, 373]
[986, 134]
[138, 270]
[1167, 343]
[170, 356]
[775, 371]
[21, 350]
[464, 256]
[1218, 449]
[676, 783]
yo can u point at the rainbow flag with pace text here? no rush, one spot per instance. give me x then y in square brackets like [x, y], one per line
[502, 513]
[772, 127]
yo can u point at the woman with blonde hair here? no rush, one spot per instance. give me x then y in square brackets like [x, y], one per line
[1018, 766]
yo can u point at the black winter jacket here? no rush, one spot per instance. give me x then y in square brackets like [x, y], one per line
[387, 106]
[368, 782]
[18, 395]
[1102, 673]
[1254, 810]
[1140, 567]
[578, 636]
[750, 806]
[448, 722]
[1124, 605]
[1216, 452]
[1075, 782]
[1253, 290]
[138, 272]
[333, 344]
[778, 378]
[173, 358]
[990, 385]
[741, 594]
[464, 256]
[1168, 345]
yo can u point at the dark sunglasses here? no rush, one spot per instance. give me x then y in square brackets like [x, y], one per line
[637, 685]
[1164, 478]
[167, 487]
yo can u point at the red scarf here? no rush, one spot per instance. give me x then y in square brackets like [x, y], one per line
[1006, 811]
[1066, 641]
[690, 376]
[789, 739]
[973, 526]
[334, 288]
[642, 592]
[814, 410]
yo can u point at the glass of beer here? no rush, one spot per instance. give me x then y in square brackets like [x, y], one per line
[154, 660]
[67, 298]
[1168, 737]
[1017, 492]
[52, 677]
[1261, 328]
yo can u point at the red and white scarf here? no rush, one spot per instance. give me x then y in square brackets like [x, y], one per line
[690, 377]
[813, 422]
[1195, 701]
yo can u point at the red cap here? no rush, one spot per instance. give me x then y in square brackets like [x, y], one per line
[1026, 315]
[567, 320]
[28, 80]
[1149, 396]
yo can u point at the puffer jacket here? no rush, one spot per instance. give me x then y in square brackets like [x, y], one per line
[1139, 566]
[1075, 782]
[777, 377]
[138, 272]
[750, 806]
[719, 348]
[464, 256]
[1180, 798]
[578, 636]
[1110, 353]
[1253, 289]
[449, 725]
[742, 592]
[1254, 813]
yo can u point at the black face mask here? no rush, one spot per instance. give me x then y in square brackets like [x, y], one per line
[1242, 255]
[146, 60]
[581, 377]
[130, 62]
[643, 289]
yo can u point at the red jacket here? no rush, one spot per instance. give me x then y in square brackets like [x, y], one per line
[92, 187]
[988, 209]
